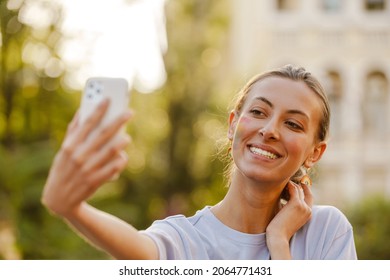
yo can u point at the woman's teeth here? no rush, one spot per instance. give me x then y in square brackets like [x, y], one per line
[261, 152]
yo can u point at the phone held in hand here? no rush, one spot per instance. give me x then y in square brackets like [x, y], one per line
[98, 88]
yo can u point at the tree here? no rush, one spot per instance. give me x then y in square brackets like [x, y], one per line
[34, 110]
[176, 129]
[370, 219]
[172, 161]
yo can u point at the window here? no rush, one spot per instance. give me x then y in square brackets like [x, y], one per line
[334, 87]
[375, 5]
[332, 5]
[287, 5]
[375, 105]
[374, 180]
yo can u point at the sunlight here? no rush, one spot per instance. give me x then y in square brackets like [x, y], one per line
[115, 38]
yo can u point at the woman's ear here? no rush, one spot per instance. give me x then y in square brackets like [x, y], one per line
[232, 124]
[316, 154]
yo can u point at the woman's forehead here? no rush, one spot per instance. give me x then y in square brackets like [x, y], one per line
[287, 94]
[283, 90]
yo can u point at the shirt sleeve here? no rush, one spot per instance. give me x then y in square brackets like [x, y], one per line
[342, 247]
[176, 239]
[167, 240]
[340, 243]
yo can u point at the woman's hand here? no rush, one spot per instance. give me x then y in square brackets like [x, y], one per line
[84, 163]
[289, 220]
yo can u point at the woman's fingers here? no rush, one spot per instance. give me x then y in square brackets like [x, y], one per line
[308, 195]
[295, 191]
[101, 139]
[106, 154]
[301, 197]
[107, 171]
[302, 192]
[100, 156]
[78, 132]
[69, 184]
[88, 158]
[107, 132]
[293, 215]
[92, 121]
[73, 123]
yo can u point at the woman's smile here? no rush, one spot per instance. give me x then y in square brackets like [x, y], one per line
[264, 152]
[275, 131]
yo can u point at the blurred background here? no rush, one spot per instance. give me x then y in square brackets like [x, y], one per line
[185, 61]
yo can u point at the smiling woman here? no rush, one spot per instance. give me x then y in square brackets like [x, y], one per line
[277, 128]
[292, 90]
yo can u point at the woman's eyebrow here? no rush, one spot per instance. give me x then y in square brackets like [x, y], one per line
[265, 100]
[292, 111]
[298, 112]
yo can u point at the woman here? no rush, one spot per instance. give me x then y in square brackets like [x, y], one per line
[278, 130]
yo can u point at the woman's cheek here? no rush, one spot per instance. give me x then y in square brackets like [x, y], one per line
[298, 146]
[243, 126]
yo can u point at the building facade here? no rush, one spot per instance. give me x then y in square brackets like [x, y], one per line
[346, 43]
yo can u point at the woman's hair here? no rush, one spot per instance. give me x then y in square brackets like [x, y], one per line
[295, 74]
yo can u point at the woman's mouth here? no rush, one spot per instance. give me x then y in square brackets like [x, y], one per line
[261, 152]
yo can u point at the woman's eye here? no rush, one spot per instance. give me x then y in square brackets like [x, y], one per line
[294, 125]
[257, 112]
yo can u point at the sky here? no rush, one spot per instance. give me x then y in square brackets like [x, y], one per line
[115, 38]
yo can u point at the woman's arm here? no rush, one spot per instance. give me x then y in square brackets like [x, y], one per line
[80, 167]
[288, 221]
[111, 234]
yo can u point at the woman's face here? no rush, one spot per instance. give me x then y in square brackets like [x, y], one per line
[275, 132]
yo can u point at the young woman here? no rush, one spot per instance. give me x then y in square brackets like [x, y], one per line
[277, 131]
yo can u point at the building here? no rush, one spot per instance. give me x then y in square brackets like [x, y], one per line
[346, 43]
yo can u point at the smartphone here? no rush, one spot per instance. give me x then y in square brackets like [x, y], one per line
[98, 88]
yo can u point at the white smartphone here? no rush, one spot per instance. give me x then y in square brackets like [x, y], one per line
[98, 88]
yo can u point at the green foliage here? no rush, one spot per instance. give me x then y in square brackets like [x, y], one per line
[172, 169]
[34, 112]
[370, 220]
[175, 129]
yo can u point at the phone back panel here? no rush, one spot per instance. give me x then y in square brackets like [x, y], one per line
[96, 89]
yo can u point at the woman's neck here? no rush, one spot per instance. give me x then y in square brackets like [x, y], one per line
[248, 206]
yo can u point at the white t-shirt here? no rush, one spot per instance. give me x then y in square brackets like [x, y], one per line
[328, 235]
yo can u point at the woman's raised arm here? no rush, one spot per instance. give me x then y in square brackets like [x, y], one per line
[80, 167]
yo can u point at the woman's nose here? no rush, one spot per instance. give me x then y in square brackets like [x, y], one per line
[270, 131]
